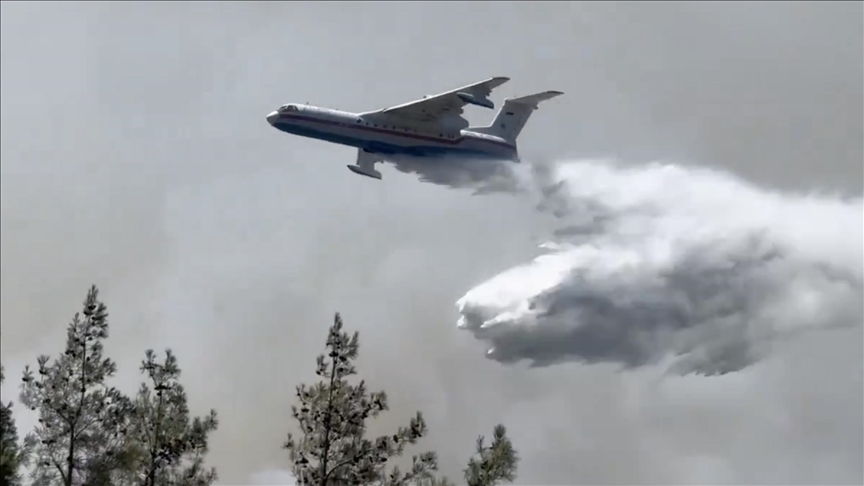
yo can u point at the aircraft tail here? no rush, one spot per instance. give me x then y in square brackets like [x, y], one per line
[513, 115]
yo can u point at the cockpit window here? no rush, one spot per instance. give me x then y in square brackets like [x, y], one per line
[287, 108]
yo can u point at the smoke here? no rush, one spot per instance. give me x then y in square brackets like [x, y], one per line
[483, 176]
[662, 264]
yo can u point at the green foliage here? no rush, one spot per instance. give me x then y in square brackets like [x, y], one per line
[169, 448]
[90, 434]
[10, 451]
[492, 464]
[332, 447]
[82, 421]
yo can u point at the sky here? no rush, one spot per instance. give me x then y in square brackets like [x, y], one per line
[136, 156]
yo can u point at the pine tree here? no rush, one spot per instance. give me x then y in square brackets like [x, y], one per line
[494, 463]
[170, 449]
[332, 447]
[10, 451]
[82, 421]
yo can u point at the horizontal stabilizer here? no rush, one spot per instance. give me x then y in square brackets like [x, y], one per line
[535, 99]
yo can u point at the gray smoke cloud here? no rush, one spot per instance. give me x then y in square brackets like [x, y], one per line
[659, 263]
[480, 176]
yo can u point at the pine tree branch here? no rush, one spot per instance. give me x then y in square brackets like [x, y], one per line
[337, 466]
[327, 421]
[59, 468]
[70, 460]
[154, 459]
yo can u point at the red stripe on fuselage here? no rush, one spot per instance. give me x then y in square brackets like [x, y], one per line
[416, 136]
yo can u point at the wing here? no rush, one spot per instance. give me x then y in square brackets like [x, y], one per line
[449, 104]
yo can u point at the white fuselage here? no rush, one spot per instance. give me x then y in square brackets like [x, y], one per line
[389, 136]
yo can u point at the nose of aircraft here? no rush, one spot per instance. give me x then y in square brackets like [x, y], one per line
[271, 118]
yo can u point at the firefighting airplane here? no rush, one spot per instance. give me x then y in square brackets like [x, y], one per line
[426, 128]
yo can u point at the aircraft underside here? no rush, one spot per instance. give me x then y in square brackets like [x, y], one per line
[384, 147]
[371, 152]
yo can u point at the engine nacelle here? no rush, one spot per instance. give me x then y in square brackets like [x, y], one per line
[473, 100]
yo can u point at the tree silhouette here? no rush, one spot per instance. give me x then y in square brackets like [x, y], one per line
[169, 446]
[12, 455]
[492, 464]
[82, 421]
[331, 447]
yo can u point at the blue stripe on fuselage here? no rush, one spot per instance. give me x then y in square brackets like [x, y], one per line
[382, 147]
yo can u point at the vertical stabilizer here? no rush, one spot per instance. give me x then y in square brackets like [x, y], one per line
[511, 118]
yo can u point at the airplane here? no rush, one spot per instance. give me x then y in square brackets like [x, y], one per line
[426, 128]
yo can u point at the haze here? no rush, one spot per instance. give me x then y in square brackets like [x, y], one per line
[136, 156]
